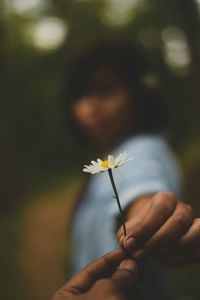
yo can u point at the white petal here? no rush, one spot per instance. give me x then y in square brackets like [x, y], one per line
[123, 156]
[125, 161]
[86, 166]
[96, 166]
[92, 169]
[94, 163]
[121, 159]
[111, 162]
[86, 170]
[118, 160]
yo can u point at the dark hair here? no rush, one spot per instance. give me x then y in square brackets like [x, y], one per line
[128, 62]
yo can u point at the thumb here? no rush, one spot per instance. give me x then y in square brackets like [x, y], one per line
[125, 276]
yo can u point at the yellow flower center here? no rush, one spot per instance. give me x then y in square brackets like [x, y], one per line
[104, 164]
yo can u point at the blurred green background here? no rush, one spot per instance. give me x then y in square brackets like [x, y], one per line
[40, 165]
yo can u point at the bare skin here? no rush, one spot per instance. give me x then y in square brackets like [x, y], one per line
[160, 226]
[156, 224]
[112, 277]
[164, 227]
[105, 116]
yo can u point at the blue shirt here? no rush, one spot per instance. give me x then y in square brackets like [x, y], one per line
[153, 169]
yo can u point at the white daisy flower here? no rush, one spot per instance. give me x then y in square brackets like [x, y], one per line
[108, 165]
[111, 163]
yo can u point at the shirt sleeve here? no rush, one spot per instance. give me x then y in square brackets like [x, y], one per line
[153, 169]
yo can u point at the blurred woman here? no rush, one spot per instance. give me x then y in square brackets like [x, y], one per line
[114, 105]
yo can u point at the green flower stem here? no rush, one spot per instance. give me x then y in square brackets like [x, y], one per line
[117, 198]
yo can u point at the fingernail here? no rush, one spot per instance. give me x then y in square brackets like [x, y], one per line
[128, 264]
[138, 254]
[129, 243]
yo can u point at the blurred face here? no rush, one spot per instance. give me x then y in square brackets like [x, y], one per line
[104, 112]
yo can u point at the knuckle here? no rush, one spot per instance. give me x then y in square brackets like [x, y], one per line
[189, 209]
[169, 197]
[197, 225]
[186, 213]
[165, 202]
[181, 220]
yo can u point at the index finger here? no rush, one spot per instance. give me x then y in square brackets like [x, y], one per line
[147, 222]
[101, 268]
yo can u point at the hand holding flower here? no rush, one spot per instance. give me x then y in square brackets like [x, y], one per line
[159, 222]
